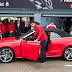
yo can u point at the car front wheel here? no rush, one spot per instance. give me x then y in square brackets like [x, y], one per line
[6, 55]
[68, 54]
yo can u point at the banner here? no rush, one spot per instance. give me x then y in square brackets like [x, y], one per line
[36, 4]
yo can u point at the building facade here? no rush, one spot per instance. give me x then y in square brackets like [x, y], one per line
[43, 11]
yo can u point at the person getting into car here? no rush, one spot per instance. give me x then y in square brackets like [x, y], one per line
[11, 28]
[2, 30]
[41, 37]
[19, 28]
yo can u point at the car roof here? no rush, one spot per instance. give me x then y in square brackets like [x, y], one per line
[58, 31]
[62, 33]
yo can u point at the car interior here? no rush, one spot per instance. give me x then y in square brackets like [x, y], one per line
[32, 39]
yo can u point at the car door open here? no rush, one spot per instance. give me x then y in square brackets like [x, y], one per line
[30, 49]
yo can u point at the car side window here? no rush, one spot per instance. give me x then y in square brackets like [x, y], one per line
[54, 35]
[31, 39]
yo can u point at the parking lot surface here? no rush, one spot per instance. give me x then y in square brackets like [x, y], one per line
[23, 65]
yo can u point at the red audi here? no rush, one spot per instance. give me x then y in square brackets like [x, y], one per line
[60, 45]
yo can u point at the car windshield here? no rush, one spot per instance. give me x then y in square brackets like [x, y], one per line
[25, 34]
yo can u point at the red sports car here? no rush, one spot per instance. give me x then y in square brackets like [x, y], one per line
[60, 44]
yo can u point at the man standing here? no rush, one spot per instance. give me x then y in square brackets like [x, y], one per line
[50, 26]
[19, 28]
[11, 28]
[29, 26]
[6, 26]
[41, 37]
[2, 29]
[23, 25]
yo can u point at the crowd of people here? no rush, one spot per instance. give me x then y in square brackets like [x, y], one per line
[11, 29]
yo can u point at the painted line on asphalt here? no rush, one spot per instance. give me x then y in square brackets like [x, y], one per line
[68, 65]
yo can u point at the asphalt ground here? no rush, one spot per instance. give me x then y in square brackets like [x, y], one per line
[24, 65]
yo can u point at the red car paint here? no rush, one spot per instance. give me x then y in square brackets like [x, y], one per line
[30, 49]
[22, 49]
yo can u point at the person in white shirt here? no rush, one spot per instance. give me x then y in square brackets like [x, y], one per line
[18, 25]
[51, 25]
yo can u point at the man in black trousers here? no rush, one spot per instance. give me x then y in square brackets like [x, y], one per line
[19, 28]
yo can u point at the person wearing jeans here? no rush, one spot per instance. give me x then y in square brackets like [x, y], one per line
[11, 28]
[11, 34]
[41, 37]
[43, 51]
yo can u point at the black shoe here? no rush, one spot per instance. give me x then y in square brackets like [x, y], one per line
[40, 62]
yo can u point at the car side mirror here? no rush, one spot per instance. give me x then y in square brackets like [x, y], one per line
[23, 39]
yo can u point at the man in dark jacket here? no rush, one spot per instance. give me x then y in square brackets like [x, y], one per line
[19, 28]
[41, 37]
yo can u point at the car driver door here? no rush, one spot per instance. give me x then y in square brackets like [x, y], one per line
[30, 49]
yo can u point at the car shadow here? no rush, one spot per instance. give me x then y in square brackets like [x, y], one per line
[47, 59]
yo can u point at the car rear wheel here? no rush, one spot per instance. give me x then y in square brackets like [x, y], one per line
[68, 54]
[6, 55]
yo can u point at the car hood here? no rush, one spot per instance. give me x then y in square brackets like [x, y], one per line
[7, 39]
